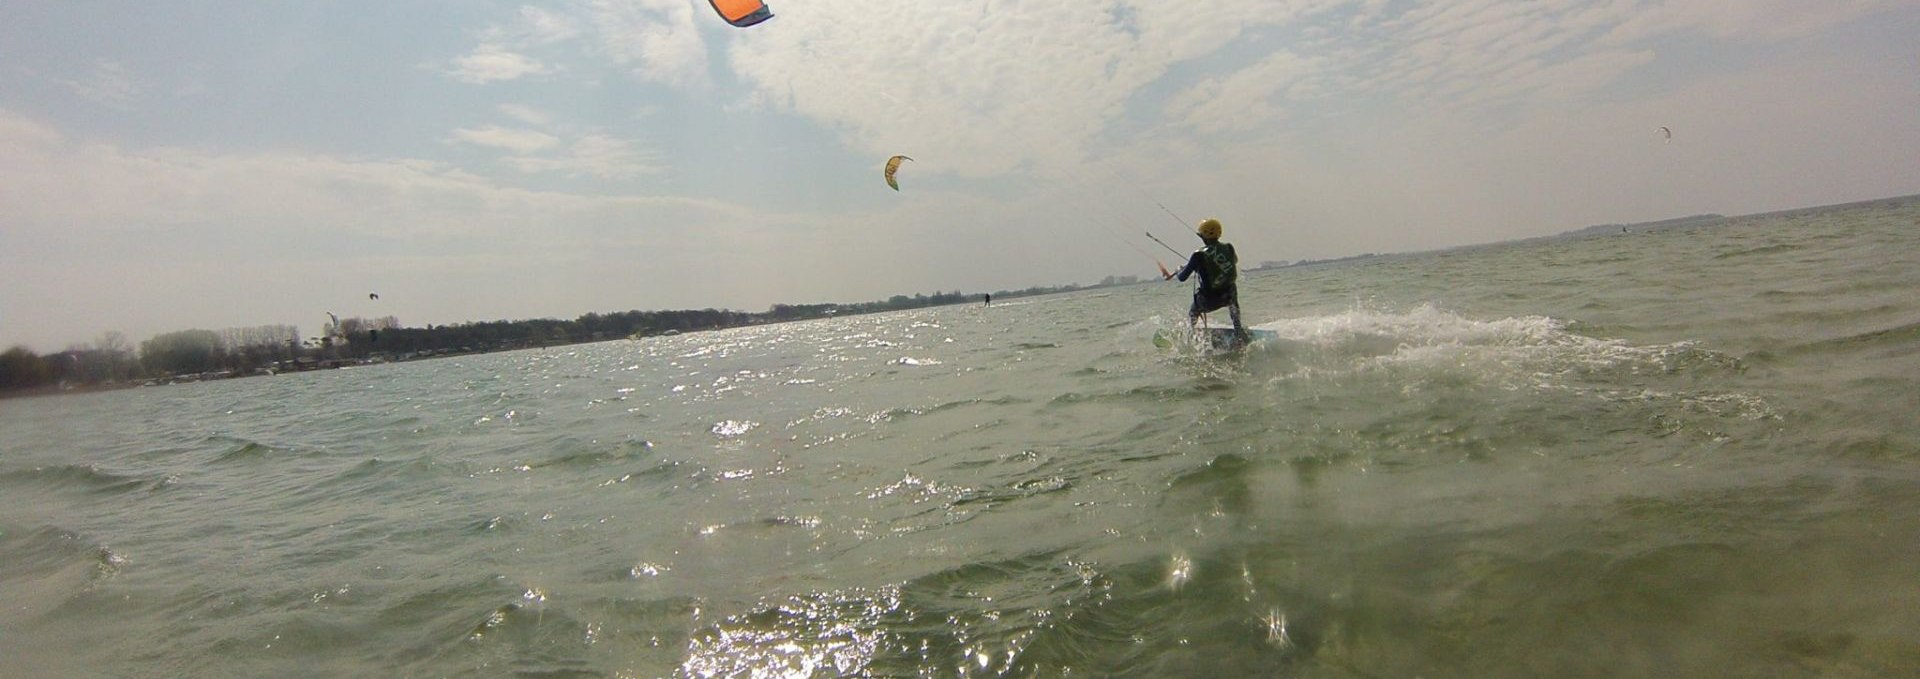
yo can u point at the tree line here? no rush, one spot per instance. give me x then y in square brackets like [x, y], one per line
[198, 354]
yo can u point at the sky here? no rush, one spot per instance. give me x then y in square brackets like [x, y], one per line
[213, 164]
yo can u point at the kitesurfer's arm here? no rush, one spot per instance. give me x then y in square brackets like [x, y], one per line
[1193, 264]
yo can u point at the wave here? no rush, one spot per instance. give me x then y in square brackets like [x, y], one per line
[1361, 341]
[1763, 250]
[1027, 346]
[378, 475]
[244, 450]
[1343, 596]
[1872, 446]
[1428, 386]
[250, 451]
[977, 617]
[80, 476]
[511, 626]
[1040, 614]
[768, 523]
[892, 414]
[1903, 337]
[46, 566]
[1019, 490]
[594, 455]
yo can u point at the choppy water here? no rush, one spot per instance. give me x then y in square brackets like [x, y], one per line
[1684, 453]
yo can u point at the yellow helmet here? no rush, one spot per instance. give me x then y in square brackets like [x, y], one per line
[1209, 229]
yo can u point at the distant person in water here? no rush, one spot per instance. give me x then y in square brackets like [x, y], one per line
[1219, 270]
[989, 300]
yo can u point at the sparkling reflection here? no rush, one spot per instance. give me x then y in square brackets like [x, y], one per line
[1276, 623]
[1180, 571]
[835, 633]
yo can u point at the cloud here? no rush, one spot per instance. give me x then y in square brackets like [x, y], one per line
[109, 83]
[294, 229]
[22, 133]
[493, 63]
[495, 136]
[656, 39]
[52, 181]
[1243, 100]
[1744, 20]
[980, 92]
[1466, 56]
[1044, 86]
[534, 26]
[526, 114]
[594, 155]
[1175, 32]
[589, 154]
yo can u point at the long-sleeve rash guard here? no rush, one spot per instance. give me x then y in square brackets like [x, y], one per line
[1217, 265]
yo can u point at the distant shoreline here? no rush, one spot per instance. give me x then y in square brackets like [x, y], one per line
[65, 389]
[944, 299]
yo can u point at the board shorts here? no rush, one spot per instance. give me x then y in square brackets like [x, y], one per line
[1205, 300]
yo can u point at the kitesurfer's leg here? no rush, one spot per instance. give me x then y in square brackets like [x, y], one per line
[1233, 310]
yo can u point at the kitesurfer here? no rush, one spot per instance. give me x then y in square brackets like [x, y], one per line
[1218, 267]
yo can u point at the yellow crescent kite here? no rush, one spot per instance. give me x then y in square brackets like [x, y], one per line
[893, 165]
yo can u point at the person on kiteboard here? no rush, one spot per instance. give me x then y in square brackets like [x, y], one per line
[1218, 267]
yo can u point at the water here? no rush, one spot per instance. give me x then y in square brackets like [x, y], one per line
[1682, 453]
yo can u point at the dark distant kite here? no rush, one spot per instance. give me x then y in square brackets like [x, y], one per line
[742, 13]
[373, 295]
[893, 165]
[1667, 133]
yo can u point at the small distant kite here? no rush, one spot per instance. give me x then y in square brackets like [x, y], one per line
[373, 295]
[742, 13]
[893, 165]
[1667, 133]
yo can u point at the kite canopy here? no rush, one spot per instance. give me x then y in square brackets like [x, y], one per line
[373, 295]
[1667, 133]
[742, 13]
[893, 164]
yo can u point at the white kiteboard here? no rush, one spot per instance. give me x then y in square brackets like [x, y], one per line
[1218, 336]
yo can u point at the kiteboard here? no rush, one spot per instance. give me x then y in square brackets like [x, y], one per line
[1218, 338]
